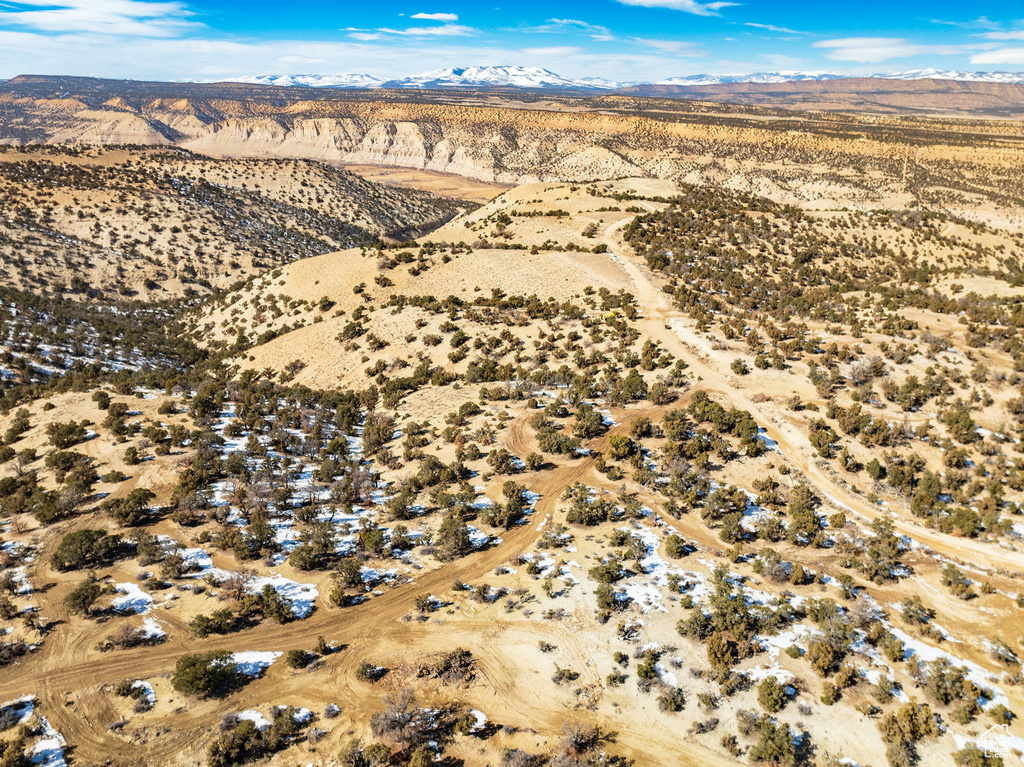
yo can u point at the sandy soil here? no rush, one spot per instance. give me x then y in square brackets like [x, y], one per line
[441, 184]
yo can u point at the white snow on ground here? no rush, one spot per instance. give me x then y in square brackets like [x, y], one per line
[299, 595]
[199, 559]
[23, 585]
[566, 571]
[153, 629]
[302, 715]
[874, 675]
[773, 645]
[769, 443]
[255, 717]
[482, 501]
[135, 600]
[668, 677]
[253, 663]
[754, 515]
[481, 720]
[760, 673]
[49, 749]
[282, 518]
[147, 690]
[923, 652]
[25, 705]
[647, 593]
[478, 537]
[547, 566]
[370, 575]
[646, 596]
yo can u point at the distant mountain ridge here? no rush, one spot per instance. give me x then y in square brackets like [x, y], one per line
[544, 79]
[452, 77]
[78, 99]
[313, 81]
[1013, 78]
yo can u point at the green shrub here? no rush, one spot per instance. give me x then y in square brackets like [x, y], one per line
[771, 694]
[739, 367]
[64, 435]
[204, 674]
[672, 700]
[81, 598]
[774, 744]
[675, 546]
[84, 548]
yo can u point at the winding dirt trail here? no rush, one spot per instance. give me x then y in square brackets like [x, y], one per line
[68, 664]
[66, 674]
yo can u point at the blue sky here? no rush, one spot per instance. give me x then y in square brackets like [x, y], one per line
[642, 40]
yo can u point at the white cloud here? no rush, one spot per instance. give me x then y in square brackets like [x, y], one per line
[445, 30]
[435, 16]
[689, 6]
[872, 50]
[219, 59]
[109, 17]
[554, 51]
[981, 22]
[1000, 56]
[595, 31]
[303, 61]
[772, 28]
[1017, 34]
[677, 47]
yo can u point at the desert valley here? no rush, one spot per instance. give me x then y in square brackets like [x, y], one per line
[498, 426]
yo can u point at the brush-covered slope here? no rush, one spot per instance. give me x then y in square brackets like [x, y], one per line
[162, 223]
[338, 315]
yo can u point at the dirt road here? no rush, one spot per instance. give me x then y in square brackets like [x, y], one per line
[659, 313]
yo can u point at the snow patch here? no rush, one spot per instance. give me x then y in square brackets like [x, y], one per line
[254, 663]
[260, 721]
[135, 600]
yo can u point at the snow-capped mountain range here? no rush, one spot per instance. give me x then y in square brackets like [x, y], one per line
[543, 79]
[508, 77]
[469, 77]
[754, 77]
[314, 81]
[792, 77]
[1014, 78]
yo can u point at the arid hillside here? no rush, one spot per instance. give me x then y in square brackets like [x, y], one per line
[713, 457]
[158, 224]
[859, 161]
[626, 472]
